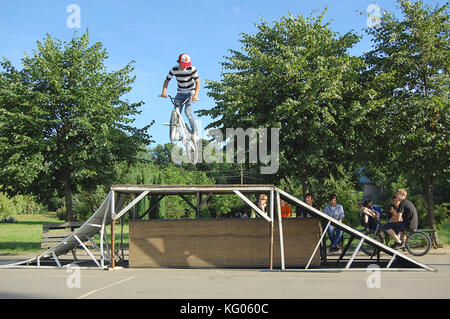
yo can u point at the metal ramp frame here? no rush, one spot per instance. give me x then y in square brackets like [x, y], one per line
[96, 224]
[395, 255]
[112, 209]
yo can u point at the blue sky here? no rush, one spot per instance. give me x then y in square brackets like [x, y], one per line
[153, 34]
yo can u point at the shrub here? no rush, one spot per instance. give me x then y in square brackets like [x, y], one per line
[26, 205]
[7, 208]
[347, 195]
[18, 205]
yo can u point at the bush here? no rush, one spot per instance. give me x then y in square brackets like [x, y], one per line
[18, 205]
[347, 196]
[27, 205]
[7, 208]
[440, 211]
[84, 203]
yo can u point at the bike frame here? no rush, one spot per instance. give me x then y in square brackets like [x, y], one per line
[186, 137]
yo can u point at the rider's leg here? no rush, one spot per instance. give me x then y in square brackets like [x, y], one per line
[392, 233]
[190, 117]
[403, 237]
[179, 99]
[366, 222]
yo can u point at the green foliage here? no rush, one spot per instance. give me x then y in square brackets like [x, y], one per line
[6, 207]
[295, 75]
[18, 205]
[64, 124]
[408, 75]
[441, 212]
[63, 120]
[347, 196]
[24, 204]
[85, 203]
[164, 172]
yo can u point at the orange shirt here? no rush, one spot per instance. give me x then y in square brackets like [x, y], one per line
[286, 211]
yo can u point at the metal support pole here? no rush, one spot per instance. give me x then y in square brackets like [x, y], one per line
[280, 229]
[347, 246]
[113, 221]
[354, 254]
[252, 205]
[391, 261]
[197, 208]
[102, 230]
[123, 211]
[87, 250]
[121, 237]
[56, 259]
[271, 232]
[318, 244]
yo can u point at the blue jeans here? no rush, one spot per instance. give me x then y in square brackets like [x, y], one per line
[179, 98]
[335, 235]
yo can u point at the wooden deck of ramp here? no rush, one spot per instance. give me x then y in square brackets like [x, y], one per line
[197, 243]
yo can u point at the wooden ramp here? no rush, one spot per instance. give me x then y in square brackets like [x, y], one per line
[236, 243]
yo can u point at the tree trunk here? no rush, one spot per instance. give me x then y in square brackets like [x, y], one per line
[68, 197]
[428, 190]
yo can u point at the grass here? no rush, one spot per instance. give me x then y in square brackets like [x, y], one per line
[444, 234]
[25, 236]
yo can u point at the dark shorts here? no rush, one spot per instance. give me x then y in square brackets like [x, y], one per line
[372, 223]
[397, 227]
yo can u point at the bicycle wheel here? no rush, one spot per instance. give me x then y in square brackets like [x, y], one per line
[369, 248]
[175, 134]
[191, 152]
[418, 243]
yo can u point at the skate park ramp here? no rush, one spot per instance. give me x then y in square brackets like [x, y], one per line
[93, 226]
[113, 207]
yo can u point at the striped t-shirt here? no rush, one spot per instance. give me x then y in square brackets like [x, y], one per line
[185, 78]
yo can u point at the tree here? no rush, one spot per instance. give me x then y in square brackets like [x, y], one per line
[297, 76]
[63, 121]
[408, 75]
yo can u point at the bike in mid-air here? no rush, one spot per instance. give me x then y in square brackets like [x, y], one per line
[179, 130]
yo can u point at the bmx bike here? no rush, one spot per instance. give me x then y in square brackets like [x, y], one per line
[417, 243]
[179, 130]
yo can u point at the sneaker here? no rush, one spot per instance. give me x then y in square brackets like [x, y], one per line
[397, 245]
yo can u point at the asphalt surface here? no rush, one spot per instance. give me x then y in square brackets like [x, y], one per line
[242, 284]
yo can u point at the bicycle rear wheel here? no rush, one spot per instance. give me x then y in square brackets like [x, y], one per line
[191, 152]
[418, 243]
[175, 134]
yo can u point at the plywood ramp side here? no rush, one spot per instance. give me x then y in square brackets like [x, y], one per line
[219, 243]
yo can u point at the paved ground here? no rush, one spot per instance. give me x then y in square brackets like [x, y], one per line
[226, 283]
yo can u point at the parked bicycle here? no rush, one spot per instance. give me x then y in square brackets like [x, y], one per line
[179, 130]
[417, 242]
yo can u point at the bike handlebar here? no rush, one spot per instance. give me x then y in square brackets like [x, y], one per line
[173, 99]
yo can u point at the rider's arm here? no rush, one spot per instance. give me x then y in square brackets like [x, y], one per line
[166, 84]
[197, 88]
